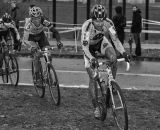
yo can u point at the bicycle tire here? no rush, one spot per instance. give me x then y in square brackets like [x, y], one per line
[53, 85]
[4, 71]
[117, 96]
[40, 90]
[13, 69]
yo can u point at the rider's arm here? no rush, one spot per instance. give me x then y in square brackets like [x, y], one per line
[56, 33]
[114, 37]
[12, 25]
[26, 30]
[52, 29]
[85, 40]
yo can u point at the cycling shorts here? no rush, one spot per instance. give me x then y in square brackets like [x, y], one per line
[100, 47]
[40, 38]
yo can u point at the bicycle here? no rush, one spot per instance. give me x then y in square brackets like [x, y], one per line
[10, 68]
[48, 76]
[111, 96]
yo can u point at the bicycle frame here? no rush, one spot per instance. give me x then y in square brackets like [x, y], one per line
[7, 59]
[46, 55]
[108, 72]
[47, 72]
[111, 95]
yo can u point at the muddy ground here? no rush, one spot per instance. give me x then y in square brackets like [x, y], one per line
[22, 109]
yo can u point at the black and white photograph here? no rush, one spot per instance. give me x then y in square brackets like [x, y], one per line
[79, 65]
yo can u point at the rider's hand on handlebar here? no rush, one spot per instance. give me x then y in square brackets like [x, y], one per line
[94, 62]
[126, 56]
[59, 45]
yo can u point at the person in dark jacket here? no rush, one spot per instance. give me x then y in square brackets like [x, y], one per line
[14, 10]
[120, 23]
[136, 29]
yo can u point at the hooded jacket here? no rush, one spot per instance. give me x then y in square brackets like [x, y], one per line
[136, 22]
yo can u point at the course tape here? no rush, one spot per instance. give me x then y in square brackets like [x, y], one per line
[77, 27]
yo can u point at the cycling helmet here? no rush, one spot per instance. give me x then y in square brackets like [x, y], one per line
[35, 11]
[98, 12]
[6, 18]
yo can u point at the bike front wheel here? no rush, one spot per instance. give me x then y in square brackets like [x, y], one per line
[53, 85]
[40, 90]
[119, 108]
[13, 70]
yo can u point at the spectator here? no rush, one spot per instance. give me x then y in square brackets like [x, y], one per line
[120, 23]
[14, 15]
[136, 29]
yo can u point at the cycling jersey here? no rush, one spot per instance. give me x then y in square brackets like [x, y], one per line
[36, 29]
[92, 36]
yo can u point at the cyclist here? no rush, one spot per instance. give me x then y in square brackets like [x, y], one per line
[96, 33]
[34, 29]
[6, 24]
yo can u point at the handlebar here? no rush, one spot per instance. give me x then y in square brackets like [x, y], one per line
[119, 60]
[47, 48]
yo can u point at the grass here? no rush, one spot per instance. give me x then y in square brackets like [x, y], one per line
[22, 109]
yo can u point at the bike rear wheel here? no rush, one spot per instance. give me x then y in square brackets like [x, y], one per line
[53, 85]
[119, 109]
[13, 70]
[40, 90]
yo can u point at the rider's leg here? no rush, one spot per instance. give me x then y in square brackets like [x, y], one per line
[109, 52]
[1, 60]
[15, 40]
[2, 35]
[92, 90]
[35, 57]
[43, 42]
[111, 55]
